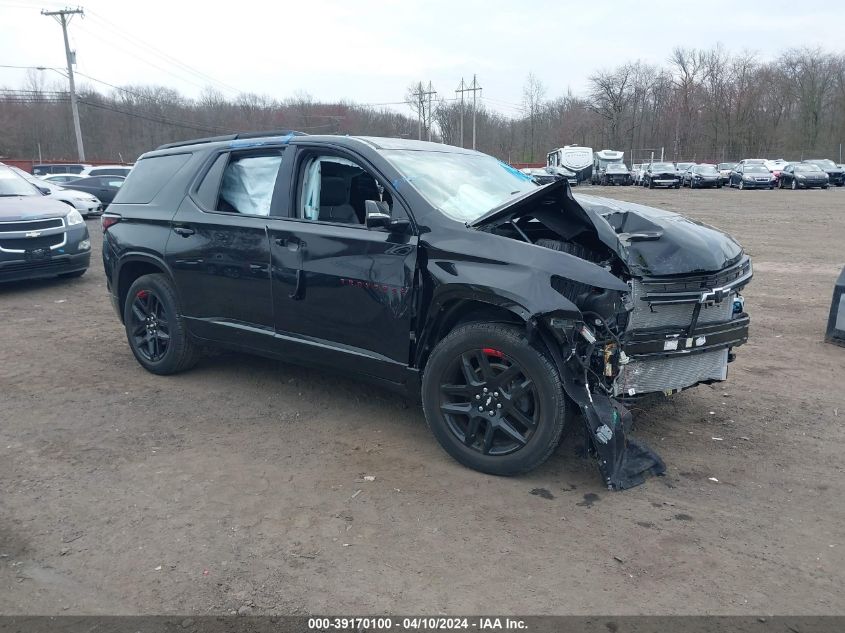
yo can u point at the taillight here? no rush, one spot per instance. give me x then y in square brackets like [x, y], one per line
[108, 219]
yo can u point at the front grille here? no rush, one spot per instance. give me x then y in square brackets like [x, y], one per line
[645, 317]
[672, 372]
[30, 225]
[30, 243]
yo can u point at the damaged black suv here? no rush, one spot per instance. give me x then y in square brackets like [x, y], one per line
[439, 271]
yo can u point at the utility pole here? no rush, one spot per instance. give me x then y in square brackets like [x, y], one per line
[63, 17]
[474, 89]
[430, 92]
[462, 89]
[419, 95]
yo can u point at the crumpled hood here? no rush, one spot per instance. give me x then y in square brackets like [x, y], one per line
[654, 242]
[649, 241]
[31, 208]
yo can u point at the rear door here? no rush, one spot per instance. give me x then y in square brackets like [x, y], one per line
[219, 250]
[343, 292]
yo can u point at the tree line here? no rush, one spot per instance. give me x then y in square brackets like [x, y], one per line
[702, 105]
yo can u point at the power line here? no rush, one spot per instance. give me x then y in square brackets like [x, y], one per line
[162, 55]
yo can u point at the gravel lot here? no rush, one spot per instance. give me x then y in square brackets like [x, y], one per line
[235, 485]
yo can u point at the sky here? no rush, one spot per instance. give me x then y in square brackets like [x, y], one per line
[370, 52]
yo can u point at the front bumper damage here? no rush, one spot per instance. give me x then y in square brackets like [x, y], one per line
[700, 322]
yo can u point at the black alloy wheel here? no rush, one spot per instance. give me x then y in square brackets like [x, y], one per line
[155, 328]
[489, 402]
[794, 184]
[149, 327]
[493, 400]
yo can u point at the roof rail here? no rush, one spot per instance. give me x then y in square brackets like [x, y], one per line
[231, 137]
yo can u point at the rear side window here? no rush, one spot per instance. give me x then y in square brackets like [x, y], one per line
[248, 182]
[149, 176]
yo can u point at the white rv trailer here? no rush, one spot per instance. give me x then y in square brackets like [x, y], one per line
[601, 160]
[575, 158]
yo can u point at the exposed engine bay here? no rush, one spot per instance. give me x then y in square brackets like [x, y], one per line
[675, 327]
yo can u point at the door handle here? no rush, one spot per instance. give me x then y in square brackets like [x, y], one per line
[184, 231]
[293, 243]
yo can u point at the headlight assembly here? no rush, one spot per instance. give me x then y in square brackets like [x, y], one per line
[74, 217]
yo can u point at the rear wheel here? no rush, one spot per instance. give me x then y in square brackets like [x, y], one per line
[794, 184]
[493, 400]
[155, 327]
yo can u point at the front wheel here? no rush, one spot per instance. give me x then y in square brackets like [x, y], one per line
[155, 327]
[794, 185]
[493, 400]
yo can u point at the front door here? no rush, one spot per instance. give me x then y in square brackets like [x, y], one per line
[219, 250]
[342, 292]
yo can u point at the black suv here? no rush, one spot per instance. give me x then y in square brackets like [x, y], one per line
[435, 270]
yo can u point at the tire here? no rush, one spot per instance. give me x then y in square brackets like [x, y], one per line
[651, 184]
[825, 186]
[73, 275]
[741, 185]
[161, 346]
[464, 364]
[780, 182]
[677, 185]
[793, 185]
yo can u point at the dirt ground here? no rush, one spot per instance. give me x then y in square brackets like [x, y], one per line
[236, 485]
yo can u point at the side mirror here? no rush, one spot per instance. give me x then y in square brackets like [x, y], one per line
[44, 190]
[378, 214]
[378, 217]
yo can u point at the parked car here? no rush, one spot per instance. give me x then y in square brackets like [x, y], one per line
[751, 176]
[702, 176]
[776, 167]
[660, 175]
[725, 170]
[563, 172]
[616, 174]
[39, 236]
[435, 270]
[58, 168]
[636, 172]
[106, 170]
[681, 168]
[59, 179]
[83, 202]
[804, 176]
[835, 172]
[103, 187]
[539, 176]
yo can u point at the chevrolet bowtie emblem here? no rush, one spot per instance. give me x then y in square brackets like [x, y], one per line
[32, 233]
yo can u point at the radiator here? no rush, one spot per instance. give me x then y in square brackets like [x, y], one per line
[671, 372]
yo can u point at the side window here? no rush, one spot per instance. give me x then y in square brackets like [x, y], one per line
[149, 177]
[248, 182]
[335, 189]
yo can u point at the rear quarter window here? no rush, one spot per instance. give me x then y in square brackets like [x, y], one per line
[148, 177]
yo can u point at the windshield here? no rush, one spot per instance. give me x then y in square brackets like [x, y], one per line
[756, 169]
[807, 168]
[13, 185]
[462, 186]
[662, 166]
[605, 163]
[825, 163]
[726, 165]
[707, 170]
[617, 167]
[685, 166]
